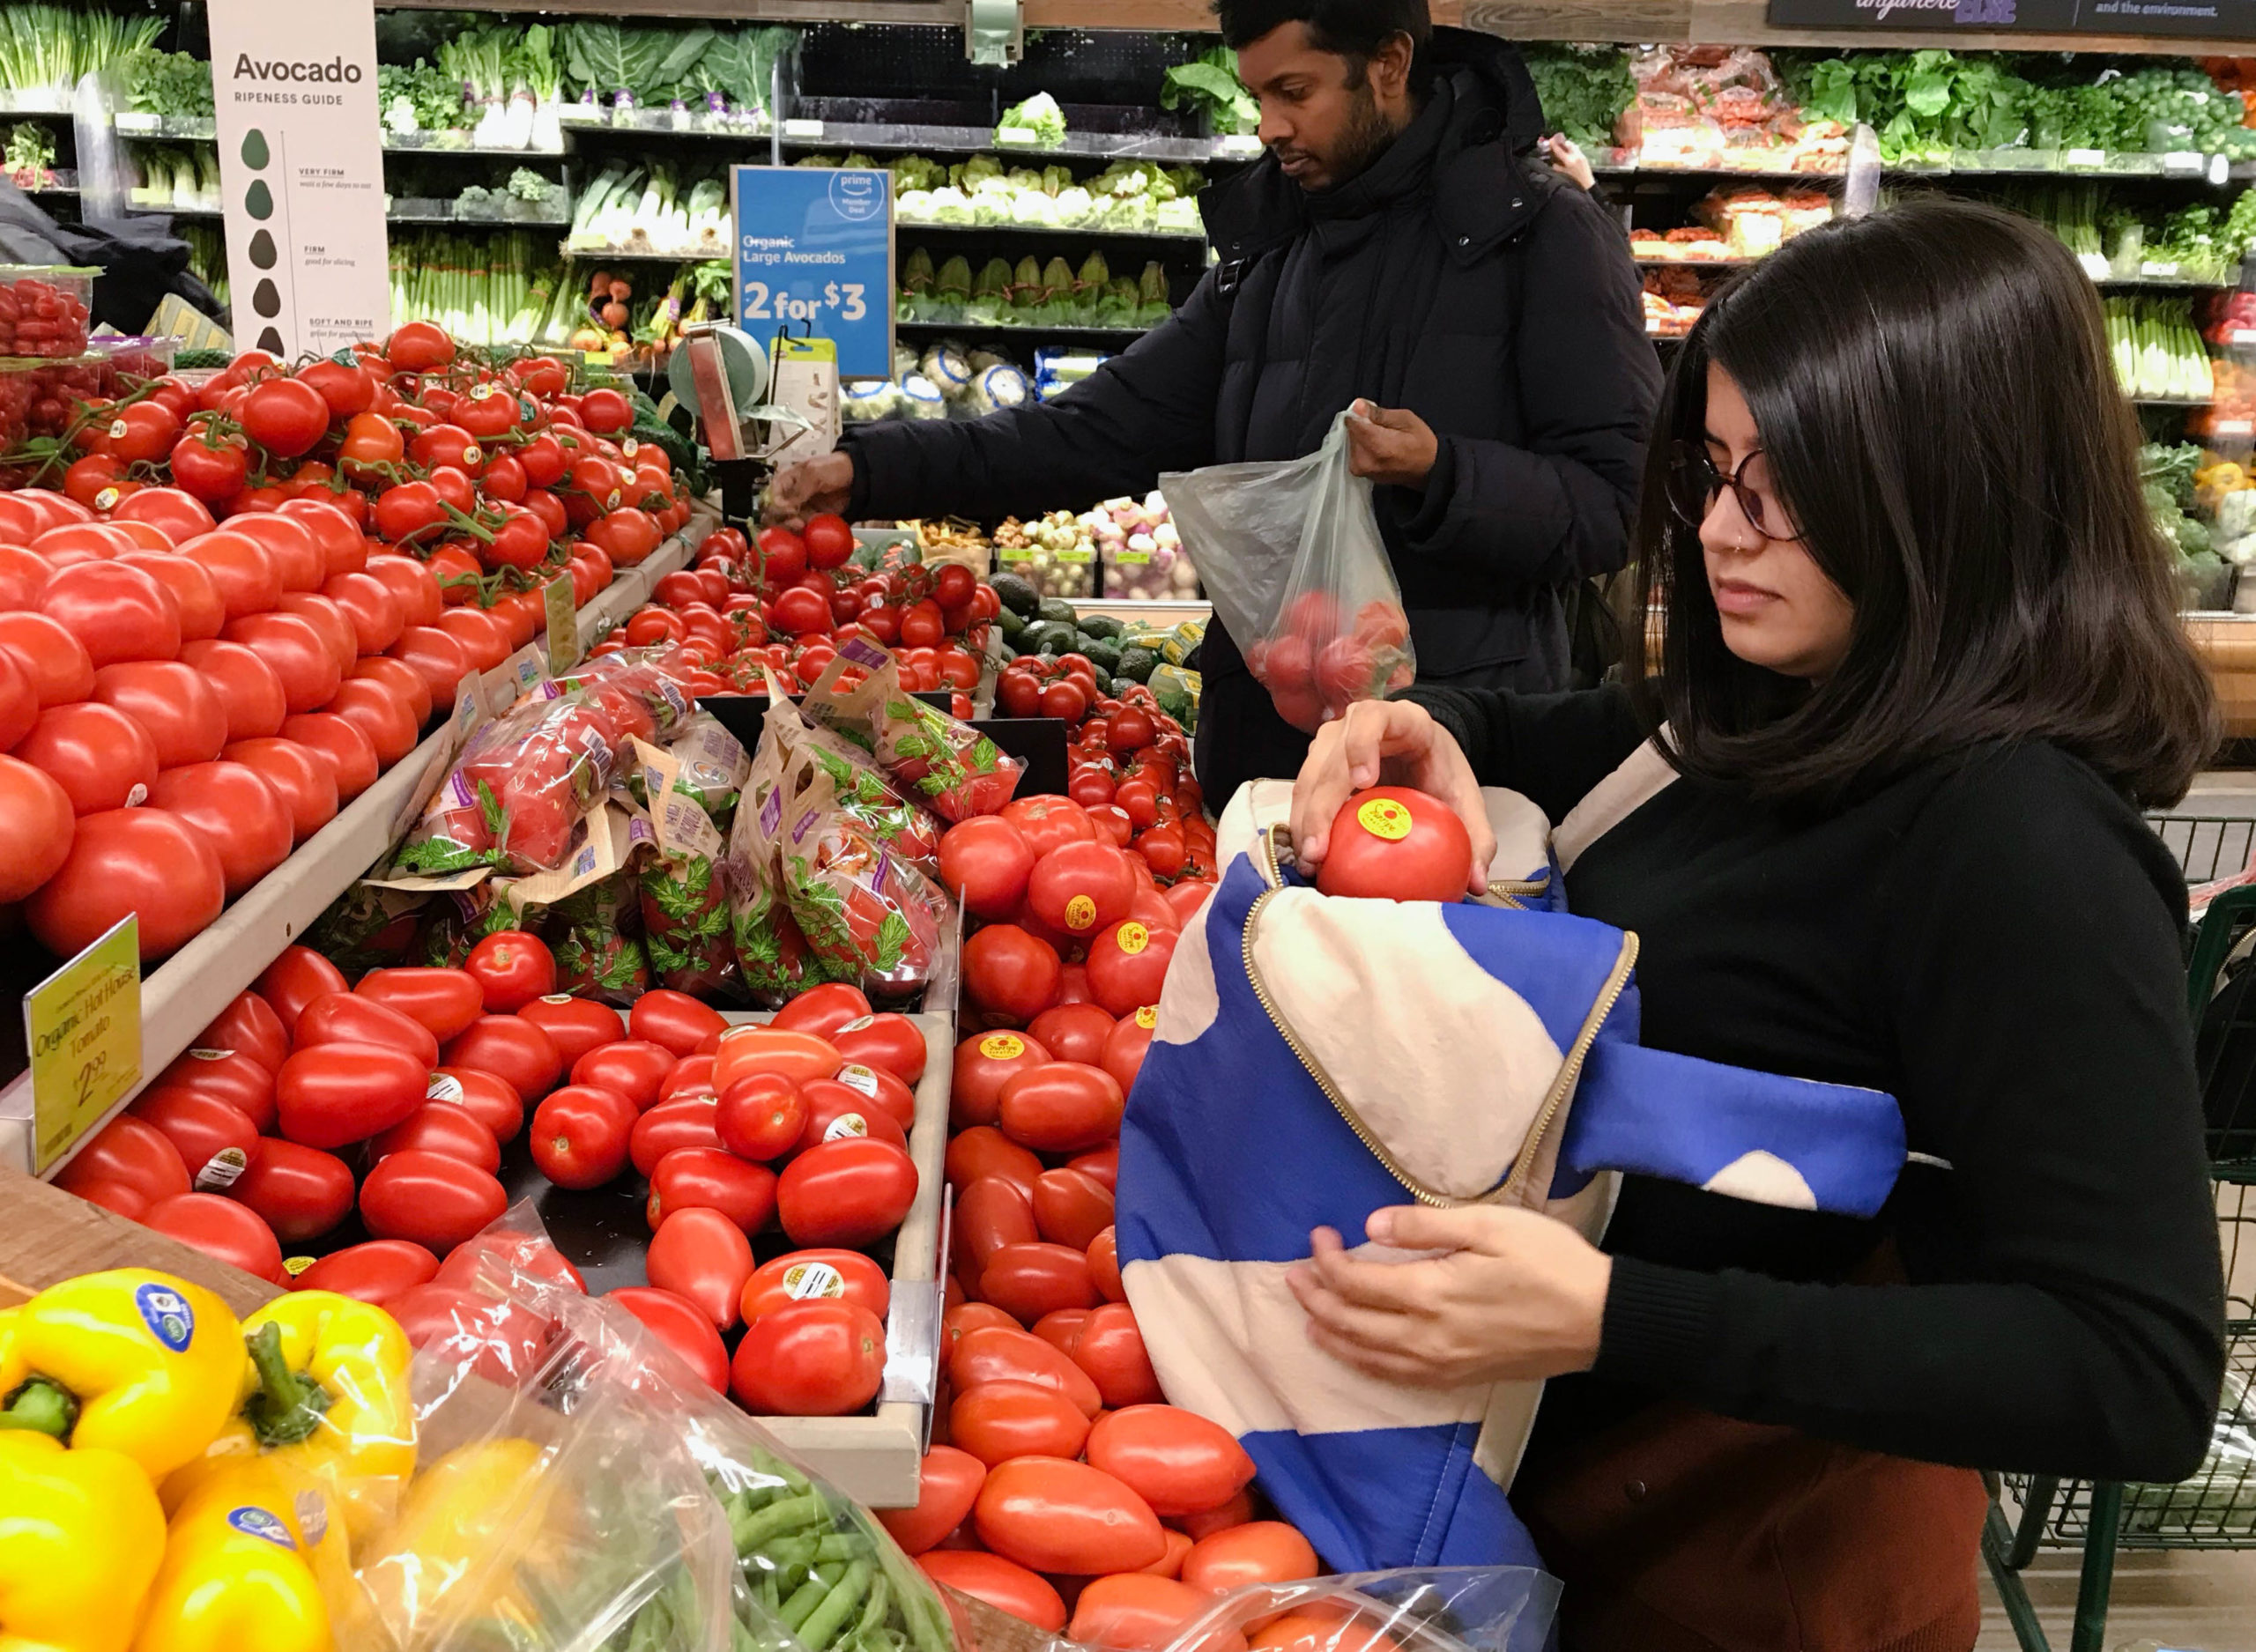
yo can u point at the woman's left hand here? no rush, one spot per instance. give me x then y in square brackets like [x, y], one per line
[1519, 1295]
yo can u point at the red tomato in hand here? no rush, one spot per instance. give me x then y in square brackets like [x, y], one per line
[375, 1271]
[299, 1192]
[829, 541]
[1396, 843]
[636, 1067]
[580, 1134]
[700, 1255]
[1054, 1515]
[947, 1484]
[434, 1200]
[681, 1325]
[810, 1359]
[442, 1001]
[985, 865]
[712, 1178]
[847, 1193]
[511, 968]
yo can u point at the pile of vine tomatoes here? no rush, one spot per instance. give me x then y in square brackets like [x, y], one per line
[788, 602]
[1128, 761]
[248, 599]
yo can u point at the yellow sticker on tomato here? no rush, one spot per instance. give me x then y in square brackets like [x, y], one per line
[1148, 1018]
[1002, 1046]
[1384, 817]
[1133, 938]
[1080, 912]
[295, 1265]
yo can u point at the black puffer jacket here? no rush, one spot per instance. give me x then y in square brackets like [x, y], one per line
[1458, 277]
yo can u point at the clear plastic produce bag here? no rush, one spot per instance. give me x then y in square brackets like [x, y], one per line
[1442, 1609]
[1291, 555]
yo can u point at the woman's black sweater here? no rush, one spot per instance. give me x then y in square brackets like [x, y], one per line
[1994, 939]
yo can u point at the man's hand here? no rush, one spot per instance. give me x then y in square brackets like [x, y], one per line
[1390, 445]
[1393, 742]
[811, 487]
[1513, 1296]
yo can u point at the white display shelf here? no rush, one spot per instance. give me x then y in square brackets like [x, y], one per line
[180, 997]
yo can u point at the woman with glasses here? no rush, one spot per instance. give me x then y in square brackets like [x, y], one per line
[1872, 808]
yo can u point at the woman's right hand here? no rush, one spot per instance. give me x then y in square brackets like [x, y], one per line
[1388, 741]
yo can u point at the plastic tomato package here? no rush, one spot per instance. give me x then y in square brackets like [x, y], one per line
[943, 762]
[519, 796]
[871, 917]
[771, 956]
[591, 931]
[684, 892]
[885, 810]
[1438, 1609]
[1292, 556]
[644, 693]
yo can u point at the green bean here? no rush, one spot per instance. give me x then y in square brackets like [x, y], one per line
[873, 1608]
[843, 1546]
[824, 1621]
[788, 1553]
[770, 1599]
[809, 1594]
[773, 1522]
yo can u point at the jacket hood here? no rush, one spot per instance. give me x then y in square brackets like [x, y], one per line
[1482, 190]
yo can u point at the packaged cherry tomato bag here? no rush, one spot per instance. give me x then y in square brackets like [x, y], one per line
[871, 916]
[684, 891]
[946, 762]
[773, 958]
[1291, 555]
[1346, 1053]
[886, 810]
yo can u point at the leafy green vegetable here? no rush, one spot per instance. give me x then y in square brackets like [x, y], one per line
[173, 84]
[1582, 89]
[1210, 81]
[1039, 115]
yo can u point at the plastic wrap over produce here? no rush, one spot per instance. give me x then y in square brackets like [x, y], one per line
[1455, 1609]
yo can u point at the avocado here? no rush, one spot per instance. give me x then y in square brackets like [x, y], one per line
[1101, 625]
[1010, 622]
[1103, 652]
[1046, 636]
[1104, 684]
[1058, 611]
[1016, 595]
[1135, 664]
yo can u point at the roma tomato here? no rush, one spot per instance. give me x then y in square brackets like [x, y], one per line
[376, 1271]
[441, 1127]
[1396, 843]
[1104, 1266]
[580, 1134]
[513, 1049]
[691, 1079]
[985, 863]
[226, 1075]
[1061, 1106]
[884, 1090]
[215, 1140]
[508, 1251]
[1003, 1584]
[947, 1484]
[989, 1214]
[816, 1275]
[801, 1057]
[986, 1355]
[822, 1009]
[1128, 964]
[248, 1026]
[1027, 1281]
[717, 1179]
[1061, 1329]
[1125, 1045]
[1070, 1208]
[761, 1116]
[700, 1255]
[681, 1325]
[636, 1067]
[301, 1193]
[1134, 1610]
[998, 1420]
[984, 1150]
[835, 1112]
[1258, 1551]
[1054, 1515]
[577, 1025]
[1010, 975]
[810, 1359]
[1081, 888]
[347, 1018]
[893, 1043]
[670, 1126]
[1174, 1460]
[511, 968]
[847, 1193]
[434, 1200]
[1073, 1032]
[129, 1150]
[243, 817]
[491, 1100]
[331, 1096]
[1111, 1348]
[146, 862]
[1320, 1629]
[221, 1228]
[674, 1019]
[442, 1002]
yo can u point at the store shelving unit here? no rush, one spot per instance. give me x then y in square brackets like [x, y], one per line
[180, 997]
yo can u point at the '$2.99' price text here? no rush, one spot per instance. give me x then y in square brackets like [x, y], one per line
[761, 304]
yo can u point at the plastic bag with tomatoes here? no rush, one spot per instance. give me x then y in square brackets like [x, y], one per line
[948, 764]
[1422, 1609]
[871, 916]
[643, 692]
[368, 927]
[521, 791]
[881, 806]
[590, 932]
[684, 892]
[771, 956]
[1292, 556]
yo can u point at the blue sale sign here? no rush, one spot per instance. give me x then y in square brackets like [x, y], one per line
[814, 255]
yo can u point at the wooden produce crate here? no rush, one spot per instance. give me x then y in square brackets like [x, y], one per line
[47, 1236]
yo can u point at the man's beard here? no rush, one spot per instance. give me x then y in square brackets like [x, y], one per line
[1366, 137]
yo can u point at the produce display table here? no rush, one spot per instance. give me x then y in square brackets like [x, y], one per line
[181, 996]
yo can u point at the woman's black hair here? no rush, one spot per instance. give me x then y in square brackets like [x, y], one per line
[1934, 391]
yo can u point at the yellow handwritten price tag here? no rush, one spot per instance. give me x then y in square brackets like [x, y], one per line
[83, 1027]
[563, 624]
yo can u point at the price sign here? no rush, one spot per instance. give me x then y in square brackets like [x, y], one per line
[82, 1026]
[814, 257]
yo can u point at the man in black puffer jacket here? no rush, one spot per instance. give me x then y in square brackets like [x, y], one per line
[1400, 245]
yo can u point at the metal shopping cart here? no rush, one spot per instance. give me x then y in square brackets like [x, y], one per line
[2216, 1507]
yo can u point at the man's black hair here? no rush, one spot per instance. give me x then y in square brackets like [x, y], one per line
[1355, 29]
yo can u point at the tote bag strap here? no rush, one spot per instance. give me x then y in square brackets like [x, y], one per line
[1643, 775]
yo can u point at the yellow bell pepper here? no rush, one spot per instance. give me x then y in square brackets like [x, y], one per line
[465, 1523]
[80, 1536]
[243, 1565]
[128, 1361]
[325, 1393]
